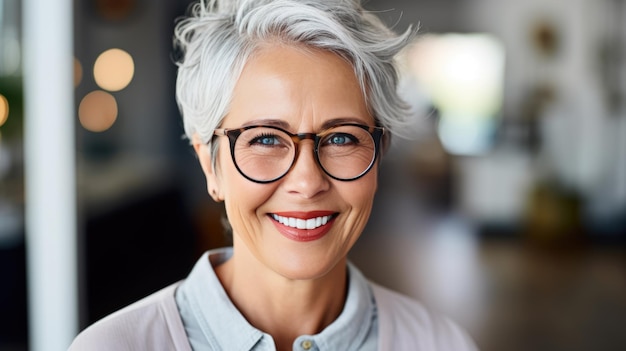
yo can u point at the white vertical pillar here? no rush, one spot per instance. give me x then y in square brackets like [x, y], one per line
[621, 161]
[50, 173]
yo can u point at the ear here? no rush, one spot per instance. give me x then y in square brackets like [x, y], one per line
[203, 152]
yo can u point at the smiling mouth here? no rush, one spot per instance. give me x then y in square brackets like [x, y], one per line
[300, 223]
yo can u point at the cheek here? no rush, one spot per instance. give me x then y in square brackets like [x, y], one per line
[369, 185]
[242, 201]
[242, 198]
[360, 194]
[360, 198]
[245, 194]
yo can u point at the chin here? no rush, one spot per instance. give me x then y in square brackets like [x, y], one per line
[309, 267]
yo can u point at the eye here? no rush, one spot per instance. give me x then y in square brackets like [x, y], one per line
[340, 139]
[266, 139]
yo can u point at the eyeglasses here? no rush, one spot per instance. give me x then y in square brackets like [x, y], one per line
[264, 154]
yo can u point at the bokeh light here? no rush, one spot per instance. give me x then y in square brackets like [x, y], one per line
[114, 69]
[97, 111]
[78, 72]
[4, 109]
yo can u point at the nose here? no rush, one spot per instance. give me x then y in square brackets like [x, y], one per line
[306, 178]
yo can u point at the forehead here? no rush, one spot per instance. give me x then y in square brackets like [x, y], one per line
[302, 86]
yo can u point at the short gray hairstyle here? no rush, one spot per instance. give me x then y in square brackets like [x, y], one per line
[217, 37]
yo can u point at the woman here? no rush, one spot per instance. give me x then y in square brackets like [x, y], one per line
[288, 105]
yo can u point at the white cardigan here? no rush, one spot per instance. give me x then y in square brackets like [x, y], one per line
[154, 324]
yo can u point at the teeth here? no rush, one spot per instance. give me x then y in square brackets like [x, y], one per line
[299, 223]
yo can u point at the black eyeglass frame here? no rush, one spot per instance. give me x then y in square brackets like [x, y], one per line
[233, 133]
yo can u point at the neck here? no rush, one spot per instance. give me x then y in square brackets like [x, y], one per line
[282, 307]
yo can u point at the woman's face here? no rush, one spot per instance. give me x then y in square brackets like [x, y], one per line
[302, 91]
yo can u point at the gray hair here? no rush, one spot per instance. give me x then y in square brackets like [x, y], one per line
[217, 38]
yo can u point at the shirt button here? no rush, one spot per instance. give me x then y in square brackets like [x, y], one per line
[307, 344]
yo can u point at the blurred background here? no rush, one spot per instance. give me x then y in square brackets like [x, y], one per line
[506, 210]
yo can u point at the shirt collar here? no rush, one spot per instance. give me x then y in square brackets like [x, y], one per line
[351, 328]
[221, 322]
[216, 315]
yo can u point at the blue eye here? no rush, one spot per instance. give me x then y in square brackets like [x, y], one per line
[340, 139]
[265, 139]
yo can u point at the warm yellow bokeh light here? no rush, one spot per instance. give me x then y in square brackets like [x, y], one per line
[113, 70]
[97, 111]
[4, 109]
[78, 72]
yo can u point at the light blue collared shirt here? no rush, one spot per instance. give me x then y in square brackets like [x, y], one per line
[212, 322]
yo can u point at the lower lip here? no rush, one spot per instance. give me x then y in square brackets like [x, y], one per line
[303, 235]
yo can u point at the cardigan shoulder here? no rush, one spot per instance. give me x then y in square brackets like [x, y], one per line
[152, 323]
[406, 324]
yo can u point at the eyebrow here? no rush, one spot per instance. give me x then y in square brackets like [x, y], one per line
[335, 121]
[285, 125]
[268, 122]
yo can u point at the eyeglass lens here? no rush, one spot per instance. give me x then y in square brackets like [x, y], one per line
[265, 154]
